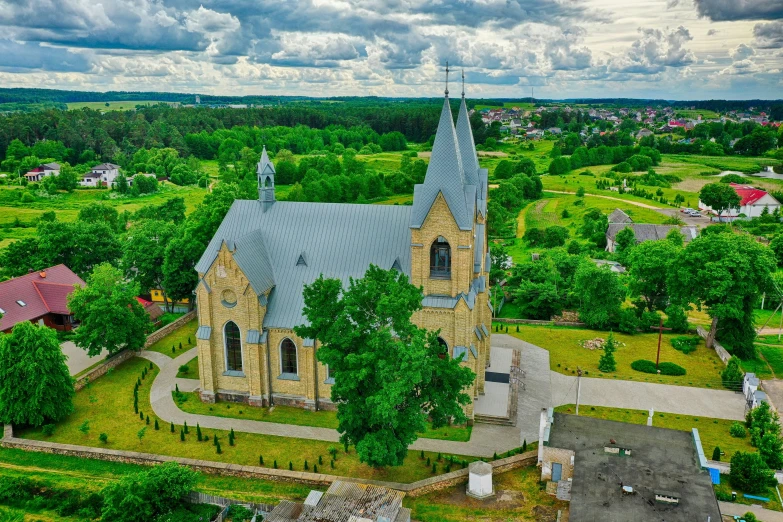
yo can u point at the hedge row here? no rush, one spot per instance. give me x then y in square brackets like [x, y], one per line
[666, 368]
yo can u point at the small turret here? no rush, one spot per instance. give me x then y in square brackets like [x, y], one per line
[266, 180]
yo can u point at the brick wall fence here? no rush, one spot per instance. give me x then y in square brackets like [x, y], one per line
[163, 332]
[120, 357]
[720, 350]
[413, 489]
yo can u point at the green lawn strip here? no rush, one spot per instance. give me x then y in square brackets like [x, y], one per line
[758, 366]
[770, 339]
[87, 370]
[108, 406]
[703, 366]
[522, 488]
[180, 335]
[774, 357]
[713, 432]
[193, 371]
[726, 489]
[295, 416]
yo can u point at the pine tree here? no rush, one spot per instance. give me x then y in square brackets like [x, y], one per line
[524, 445]
[198, 432]
[331, 463]
[135, 405]
[186, 427]
[315, 468]
[217, 448]
[421, 455]
[148, 419]
[428, 461]
[716, 454]
[260, 457]
[495, 456]
[214, 441]
[180, 346]
[172, 349]
[172, 427]
[290, 466]
[182, 435]
[607, 363]
[434, 468]
[141, 415]
[157, 427]
[231, 437]
[189, 341]
[274, 464]
[150, 365]
[176, 387]
[306, 467]
[320, 460]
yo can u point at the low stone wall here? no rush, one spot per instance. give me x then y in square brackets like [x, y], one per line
[157, 335]
[536, 321]
[720, 350]
[112, 362]
[413, 489]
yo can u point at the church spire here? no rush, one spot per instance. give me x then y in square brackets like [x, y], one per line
[447, 78]
[265, 170]
[467, 147]
[463, 84]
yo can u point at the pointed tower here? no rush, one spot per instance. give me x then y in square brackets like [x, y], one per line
[266, 180]
[467, 147]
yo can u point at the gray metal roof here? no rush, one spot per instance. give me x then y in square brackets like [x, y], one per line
[203, 333]
[253, 337]
[618, 216]
[467, 147]
[646, 232]
[340, 240]
[265, 167]
[444, 176]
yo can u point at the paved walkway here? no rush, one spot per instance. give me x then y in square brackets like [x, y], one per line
[763, 514]
[78, 361]
[686, 400]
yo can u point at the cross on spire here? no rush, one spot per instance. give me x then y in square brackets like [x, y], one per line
[447, 78]
[463, 83]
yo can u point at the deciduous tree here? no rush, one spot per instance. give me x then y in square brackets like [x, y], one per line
[720, 197]
[35, 384]
[390, 375]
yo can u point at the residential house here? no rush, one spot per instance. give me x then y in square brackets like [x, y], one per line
[753, 201]
[152, 309]
[643, 133]
[618, 216]
[102, 175]
[43, 170]
[156, 296]
[39, 297]
[646, 232]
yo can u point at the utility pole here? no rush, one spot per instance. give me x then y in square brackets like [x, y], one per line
[578, 387]
[660, 329]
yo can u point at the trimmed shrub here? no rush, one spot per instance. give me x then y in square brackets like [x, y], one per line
[737, 430]
[685, 344]
[103, 438]
[666, 368]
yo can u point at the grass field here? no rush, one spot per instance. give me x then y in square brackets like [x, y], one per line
[695, 113]
[713, 432]
[114, 105]
[508, 105]
[107, 406]
[566, 353]
[180, 335]
[294, 416]
[193, 370]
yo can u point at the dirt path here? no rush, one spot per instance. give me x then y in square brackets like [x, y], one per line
[34, 469]
[635, 203]
[522, 213]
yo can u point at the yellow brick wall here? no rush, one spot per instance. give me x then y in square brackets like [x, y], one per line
[559, 456]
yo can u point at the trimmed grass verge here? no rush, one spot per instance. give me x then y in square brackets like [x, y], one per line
[175, 338]
[193, 370]
[713, 432]
[295, 416]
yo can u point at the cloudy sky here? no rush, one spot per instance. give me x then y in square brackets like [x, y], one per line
[674, 49]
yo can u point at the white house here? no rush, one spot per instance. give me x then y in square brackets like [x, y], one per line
[101, 175]
[752, 203]
[43, 170]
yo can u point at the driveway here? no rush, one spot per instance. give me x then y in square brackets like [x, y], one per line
[78, 360]
[685, 400]
[700, 222]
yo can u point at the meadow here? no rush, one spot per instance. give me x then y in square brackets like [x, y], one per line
[115, 105]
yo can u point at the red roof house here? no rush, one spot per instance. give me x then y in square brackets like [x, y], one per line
[40, 297]
[152, 309]
[752, 203]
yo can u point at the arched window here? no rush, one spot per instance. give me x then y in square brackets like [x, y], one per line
[444, 348]
[288, 362]
[233, 341]
[440, 258]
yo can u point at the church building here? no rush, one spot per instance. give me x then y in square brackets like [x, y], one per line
[252, 274]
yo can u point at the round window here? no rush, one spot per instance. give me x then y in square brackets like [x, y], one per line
[228, 298]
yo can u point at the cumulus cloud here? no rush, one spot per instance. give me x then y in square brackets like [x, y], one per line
[654, 51]
[727, 10]
[29, 55]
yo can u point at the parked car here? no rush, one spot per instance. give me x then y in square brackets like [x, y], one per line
[694, 213]
[686, 210]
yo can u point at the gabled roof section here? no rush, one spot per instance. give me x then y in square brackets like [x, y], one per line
[252, 257]
[264, 165]
[444, 176]
[42, 292]
[618, 216]
[749, 195]
[467, 146]
[397, 265]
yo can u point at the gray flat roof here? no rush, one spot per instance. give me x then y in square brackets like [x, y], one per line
[661, 461]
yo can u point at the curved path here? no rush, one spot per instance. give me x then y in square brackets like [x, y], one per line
[542, 388]
[635, 203]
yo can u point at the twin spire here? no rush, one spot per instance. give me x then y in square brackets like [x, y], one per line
[447, 80]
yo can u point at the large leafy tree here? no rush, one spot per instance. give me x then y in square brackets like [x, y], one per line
[600, 293]
[144, 253]
[390, 375]
[78, 245]
[35, 385]
[750, 473]
[724, 273]
[111, 317]
[649, 264]
[720, 197]
[626, 240]
[148, 494]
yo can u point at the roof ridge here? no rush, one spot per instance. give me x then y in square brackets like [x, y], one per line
[467, 146]
[37, 291]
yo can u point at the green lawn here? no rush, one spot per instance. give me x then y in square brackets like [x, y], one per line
[107, 406]
[295, 416]
[114, 105]
[519, 496]
[566, 353]
[695, 113]
[193, 370]
[713, 432]
[185, 335]
[774, 357]
[726, 489]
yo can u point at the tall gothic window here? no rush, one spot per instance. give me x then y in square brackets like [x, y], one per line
[288, 362]
[233, 341]
[440, 258]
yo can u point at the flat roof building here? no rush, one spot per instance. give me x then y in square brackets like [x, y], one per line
[625, 472]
